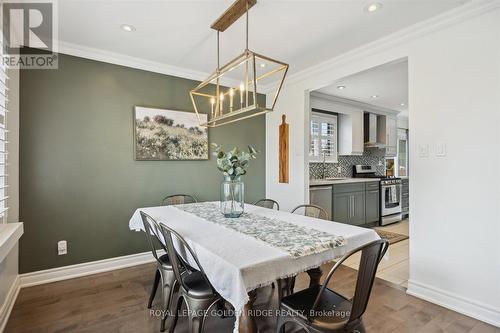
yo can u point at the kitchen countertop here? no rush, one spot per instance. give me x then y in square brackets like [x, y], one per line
[333, 181]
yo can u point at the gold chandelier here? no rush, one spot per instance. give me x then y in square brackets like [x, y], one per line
[251, 71]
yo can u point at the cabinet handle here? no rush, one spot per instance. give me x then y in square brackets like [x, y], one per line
[352, 207]
[375, 192]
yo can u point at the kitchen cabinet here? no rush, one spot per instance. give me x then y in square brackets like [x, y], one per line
[341, 208]
[356, 203]
[351, 134]
[405, 197]
[391, 133]
[349, 208]
[349, 203]
[358, 208]
[372, 206]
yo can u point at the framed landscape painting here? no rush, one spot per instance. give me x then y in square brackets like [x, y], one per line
[163, 135]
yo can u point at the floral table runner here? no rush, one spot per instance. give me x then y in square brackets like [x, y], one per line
[296, 240]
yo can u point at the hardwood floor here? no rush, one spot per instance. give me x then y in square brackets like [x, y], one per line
[116, 302]
[396, 268]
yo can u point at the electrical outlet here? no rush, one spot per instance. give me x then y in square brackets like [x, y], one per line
[62, 247]
[339, 169]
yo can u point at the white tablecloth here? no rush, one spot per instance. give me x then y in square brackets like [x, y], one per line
[236, 263]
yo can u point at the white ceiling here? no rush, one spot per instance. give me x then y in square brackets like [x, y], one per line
[389, 82]
[177, 33]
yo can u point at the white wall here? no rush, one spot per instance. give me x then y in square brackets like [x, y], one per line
[454, 73]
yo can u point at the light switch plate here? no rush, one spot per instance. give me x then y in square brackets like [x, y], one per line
[423, 150]
[441, 149]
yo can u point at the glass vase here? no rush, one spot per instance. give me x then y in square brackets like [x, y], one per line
[232, 197]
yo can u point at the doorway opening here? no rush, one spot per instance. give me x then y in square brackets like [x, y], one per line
[359, 128]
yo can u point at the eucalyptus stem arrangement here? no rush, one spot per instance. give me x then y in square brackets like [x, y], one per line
[233, 164]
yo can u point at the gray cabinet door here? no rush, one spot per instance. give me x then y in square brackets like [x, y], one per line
[372, 206]
[341, 207]
[357, 208]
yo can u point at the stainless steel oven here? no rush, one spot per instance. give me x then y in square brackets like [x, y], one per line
[390, 193]
[390, 201]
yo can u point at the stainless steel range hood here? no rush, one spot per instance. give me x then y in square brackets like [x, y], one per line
[372, 130]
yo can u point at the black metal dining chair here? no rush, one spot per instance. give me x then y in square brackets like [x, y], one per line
[193, 286]
[268, 203]
[319, 309]
[312, 211]
[178, 199]
[164, 270]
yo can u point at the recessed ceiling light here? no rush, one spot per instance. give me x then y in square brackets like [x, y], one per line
[341, 87]
[402, 104]
[374, 96]
[127, 27]
[373, 7]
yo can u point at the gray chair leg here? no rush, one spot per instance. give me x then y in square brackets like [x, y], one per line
[280, 327]
[197, 313]
[155, 288]
[175, 315]
[171, 306]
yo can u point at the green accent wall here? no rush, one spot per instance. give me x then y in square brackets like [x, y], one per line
[78, 178]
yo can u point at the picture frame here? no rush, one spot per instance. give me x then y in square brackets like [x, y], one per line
[169, 135]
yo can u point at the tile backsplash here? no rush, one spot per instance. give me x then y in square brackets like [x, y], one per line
[371, 156]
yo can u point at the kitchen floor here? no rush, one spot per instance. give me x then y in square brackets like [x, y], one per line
[395, 269]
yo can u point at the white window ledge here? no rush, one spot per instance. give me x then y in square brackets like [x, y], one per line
[9, 236]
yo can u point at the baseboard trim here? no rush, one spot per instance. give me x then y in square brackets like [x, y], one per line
[468, 307]
[8, 304]
[84, 269]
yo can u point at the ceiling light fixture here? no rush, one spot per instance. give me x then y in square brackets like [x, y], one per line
[128, 27]
[374, 96]
[402, 104]
[373, 7]
[226, 105]
[341, 87]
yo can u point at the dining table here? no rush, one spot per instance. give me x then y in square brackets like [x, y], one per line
[263, 246]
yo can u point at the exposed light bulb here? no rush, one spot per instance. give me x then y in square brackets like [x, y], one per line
[373, 7]
[127, 27]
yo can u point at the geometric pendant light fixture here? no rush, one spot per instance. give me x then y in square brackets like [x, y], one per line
[251, 71]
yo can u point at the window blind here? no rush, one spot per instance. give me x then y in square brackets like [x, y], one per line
[3, 138]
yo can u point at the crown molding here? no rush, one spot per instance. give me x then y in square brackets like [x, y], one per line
[442, 21]
[356, 104]
[134, 62]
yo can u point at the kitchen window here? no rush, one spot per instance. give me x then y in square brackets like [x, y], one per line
[324, 138]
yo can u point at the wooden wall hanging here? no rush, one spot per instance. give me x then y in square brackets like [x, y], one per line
[283, 151]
